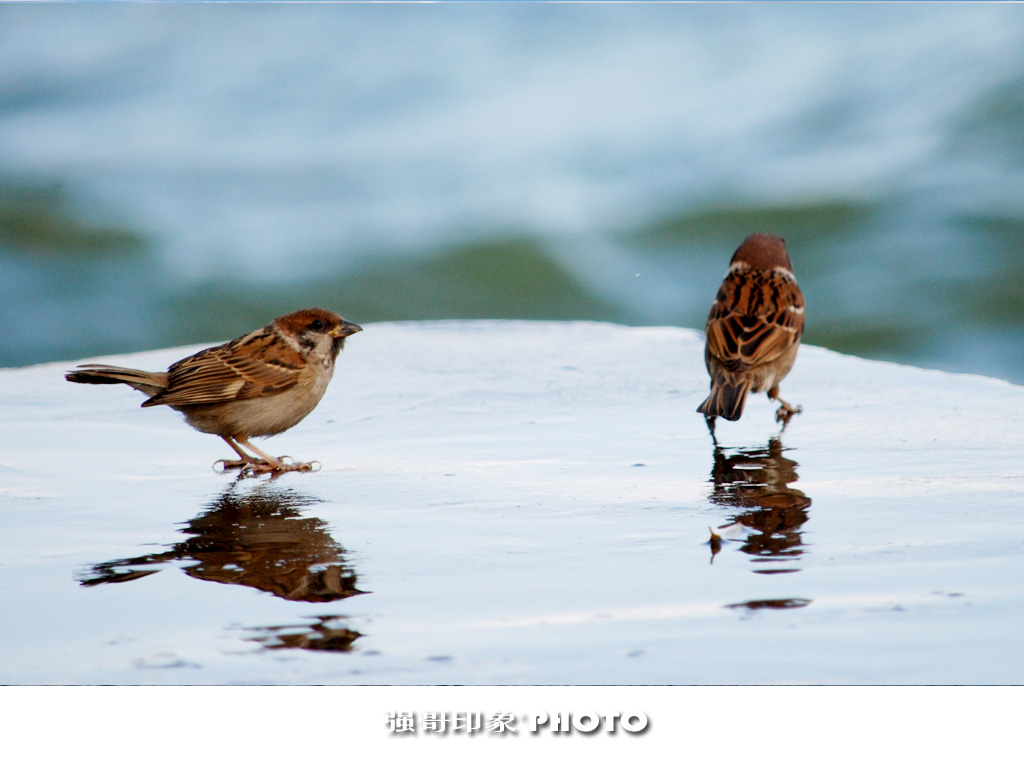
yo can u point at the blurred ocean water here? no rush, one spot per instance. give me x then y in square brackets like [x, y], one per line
[183, 173]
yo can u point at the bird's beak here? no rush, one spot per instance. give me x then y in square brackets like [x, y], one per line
[345, 329]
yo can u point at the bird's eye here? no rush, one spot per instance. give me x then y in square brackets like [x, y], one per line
[317, 325]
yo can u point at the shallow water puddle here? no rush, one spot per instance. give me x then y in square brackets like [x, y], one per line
[521, 503]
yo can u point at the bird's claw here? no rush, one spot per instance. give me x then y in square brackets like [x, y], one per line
[787, 411]
[225, 465]
[257, 467]
[288, 464]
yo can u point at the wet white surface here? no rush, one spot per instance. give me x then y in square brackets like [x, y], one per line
[520, 503]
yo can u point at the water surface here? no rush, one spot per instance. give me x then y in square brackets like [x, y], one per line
[521, 503]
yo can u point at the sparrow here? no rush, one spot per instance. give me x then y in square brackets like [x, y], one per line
[753, 331]
[257, 385]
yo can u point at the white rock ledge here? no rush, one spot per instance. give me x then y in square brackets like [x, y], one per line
[522, 502]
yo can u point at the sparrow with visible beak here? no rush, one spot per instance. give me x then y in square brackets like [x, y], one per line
[258, 385]
[753, 330]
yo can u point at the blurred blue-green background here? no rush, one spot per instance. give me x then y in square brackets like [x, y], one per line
[183, 173]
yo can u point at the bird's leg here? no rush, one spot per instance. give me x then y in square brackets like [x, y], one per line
[710, 421]
[246, 462]
[786, 411]
[268, 463]
[255, 464]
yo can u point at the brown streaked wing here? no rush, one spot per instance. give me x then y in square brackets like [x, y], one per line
[249, 367]
[741, 342]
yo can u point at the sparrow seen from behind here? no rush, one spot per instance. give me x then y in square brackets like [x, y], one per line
[258, 385]
[753, 330]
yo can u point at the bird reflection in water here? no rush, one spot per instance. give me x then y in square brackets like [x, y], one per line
[258, 539]
[323, 633]
[756, 482]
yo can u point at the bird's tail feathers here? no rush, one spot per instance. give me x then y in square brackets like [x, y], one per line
[726, 400]
[145, 381]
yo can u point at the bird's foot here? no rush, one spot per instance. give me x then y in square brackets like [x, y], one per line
[288, 464]
[787, 411]
[261, 467]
